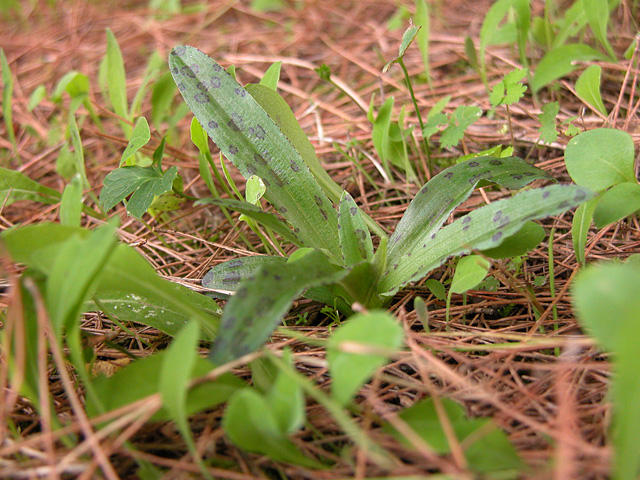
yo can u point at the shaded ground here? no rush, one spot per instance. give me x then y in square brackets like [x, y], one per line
[549, 395]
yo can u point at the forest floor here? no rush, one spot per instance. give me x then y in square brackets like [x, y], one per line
[538, 377]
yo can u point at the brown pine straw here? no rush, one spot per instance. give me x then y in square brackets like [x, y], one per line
[497, 359]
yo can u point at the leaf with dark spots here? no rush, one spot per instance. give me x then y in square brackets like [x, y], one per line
[248, 322]
[255, 144]
[482, 232]
[355, 241]
[430, 208]
[227, 276]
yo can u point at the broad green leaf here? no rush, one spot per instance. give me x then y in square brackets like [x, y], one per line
[484, 228]
[430, 208]
[471, 53]
[588, 88]
[139, 138]
[7, 98]
[470, 271]
[569, 25]
[375, 330]
[124, 386]
[607, 300]
[618, 202]
[463, 117]
[580, 228]
[254, 143]
[436, 288]
[281, 113]
[256, 213]
[251, 425]
[254, 189]
[355, 240]
[115, 77]
[597, 13]
[16, 186]
[490, 30]
[408, 37]
[561, 61]
[225, 277]
[600, 158]
[380, 132]
[548, 130]
[526, 239]
[260, 303]
[268, 5]
[487, 448]
[78, 151]
[129, 288]
[143, 182]
[162, 95]
[71, 203]
[271, 77]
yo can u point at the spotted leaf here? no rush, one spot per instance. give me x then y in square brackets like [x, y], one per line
[484, 228]
[254, 143]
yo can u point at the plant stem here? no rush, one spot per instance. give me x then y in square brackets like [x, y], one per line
[415, 106]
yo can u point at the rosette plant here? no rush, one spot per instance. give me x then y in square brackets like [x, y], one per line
[335, 261]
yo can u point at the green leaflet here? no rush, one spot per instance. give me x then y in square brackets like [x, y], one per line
[144, 182]
[252, 141]
[481, 229]
[355, 240]
[580, 228]
[444, 192]
[259, 304]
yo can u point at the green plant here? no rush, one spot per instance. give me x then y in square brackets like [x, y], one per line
[607, 300]
[336, 261]
[602, 160]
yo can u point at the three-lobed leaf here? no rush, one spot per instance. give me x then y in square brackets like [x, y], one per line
[143, 182]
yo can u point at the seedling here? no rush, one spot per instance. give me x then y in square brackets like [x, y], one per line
[336, 260]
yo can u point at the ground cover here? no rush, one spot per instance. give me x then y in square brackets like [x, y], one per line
[491, 366]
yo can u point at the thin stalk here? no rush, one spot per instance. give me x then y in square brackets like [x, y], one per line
[415, 106]
[552, 284]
